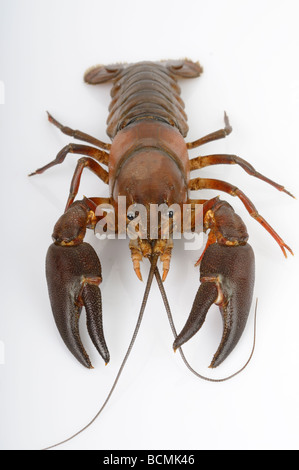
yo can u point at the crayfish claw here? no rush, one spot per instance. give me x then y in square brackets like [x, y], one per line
[227, 278]
[73, 274]
[92, 300]
[205, 297]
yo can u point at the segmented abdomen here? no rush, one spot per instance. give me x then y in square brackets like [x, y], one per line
[146, 90]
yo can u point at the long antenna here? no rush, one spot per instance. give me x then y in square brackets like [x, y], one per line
[170, 318]
[135, 333]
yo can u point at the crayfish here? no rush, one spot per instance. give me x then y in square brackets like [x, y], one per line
[148, 170]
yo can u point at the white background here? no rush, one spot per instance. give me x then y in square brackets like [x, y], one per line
[249, 51]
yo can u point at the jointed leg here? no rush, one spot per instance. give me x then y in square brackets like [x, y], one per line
[203, 183]
[73, 275]
[78, 134]
[201, 162]
[85, 162]
[220, 134]
[100, 155]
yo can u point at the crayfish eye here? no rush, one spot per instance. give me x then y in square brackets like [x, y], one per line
[131, 215]
[170, 214]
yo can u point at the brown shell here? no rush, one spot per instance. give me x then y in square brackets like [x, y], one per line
[145, 90]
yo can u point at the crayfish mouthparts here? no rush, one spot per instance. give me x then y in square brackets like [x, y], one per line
[145, 249]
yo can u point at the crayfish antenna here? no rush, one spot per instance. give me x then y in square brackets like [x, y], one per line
[153, 260]
[170, 318]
